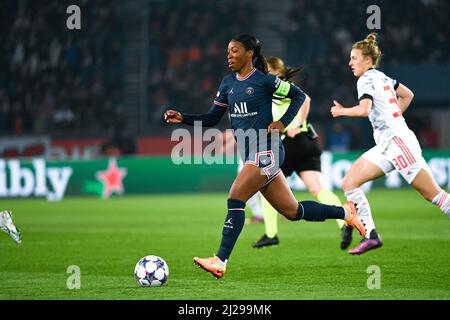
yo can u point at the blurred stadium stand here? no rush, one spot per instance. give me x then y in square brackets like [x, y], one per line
[108, 84]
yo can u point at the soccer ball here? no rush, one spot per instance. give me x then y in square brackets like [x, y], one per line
[151, 271]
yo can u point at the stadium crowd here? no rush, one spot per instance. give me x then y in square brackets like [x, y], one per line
[186, 70]
[329, 36]
[59, 80]
[320, 33]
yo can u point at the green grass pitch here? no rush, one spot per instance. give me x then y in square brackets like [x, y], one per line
[106, 238]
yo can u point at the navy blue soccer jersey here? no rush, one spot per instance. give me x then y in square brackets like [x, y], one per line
[249, 103]
[248, 100]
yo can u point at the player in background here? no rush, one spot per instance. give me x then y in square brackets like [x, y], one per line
[384, 100]
[7, 225]
[247, 95]
[302, 155]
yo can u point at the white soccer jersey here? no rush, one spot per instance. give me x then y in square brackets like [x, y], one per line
[396, 147]
[385, 116]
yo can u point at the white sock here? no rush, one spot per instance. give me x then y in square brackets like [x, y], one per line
[222, 263]
[6, 222]
[358, 197]
[442, 200]
[254, 203]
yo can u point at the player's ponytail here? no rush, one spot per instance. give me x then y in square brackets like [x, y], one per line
[284, 73]
[369, 48]
[252, 43]
[260, 63]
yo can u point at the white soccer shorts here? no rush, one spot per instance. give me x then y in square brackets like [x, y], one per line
[403, 154]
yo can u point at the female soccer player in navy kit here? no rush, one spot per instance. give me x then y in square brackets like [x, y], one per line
[247, 95]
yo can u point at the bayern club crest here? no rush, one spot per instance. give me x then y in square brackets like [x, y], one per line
[249, 90]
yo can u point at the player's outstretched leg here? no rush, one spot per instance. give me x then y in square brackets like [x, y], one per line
[314, 211]
[315, 183]
[372, 239]
[326, 196]
[281, 198]
[7, 225]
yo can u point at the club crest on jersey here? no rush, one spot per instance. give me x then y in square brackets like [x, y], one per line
[249, 90]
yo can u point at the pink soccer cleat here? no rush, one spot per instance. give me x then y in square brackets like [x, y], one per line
[366, 245]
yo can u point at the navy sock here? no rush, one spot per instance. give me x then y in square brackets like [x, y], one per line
[314, 211]
[234, 222]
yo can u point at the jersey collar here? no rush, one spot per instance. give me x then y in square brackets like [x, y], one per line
[245, 77]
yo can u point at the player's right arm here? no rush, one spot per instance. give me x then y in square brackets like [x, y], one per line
[360, 110]
[366, 92]
[209, 119]
[404, 97]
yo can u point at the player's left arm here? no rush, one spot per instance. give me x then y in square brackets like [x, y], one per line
[297, 96]
[304, 110]
[404, 97]
[360, 110]
[302, 116]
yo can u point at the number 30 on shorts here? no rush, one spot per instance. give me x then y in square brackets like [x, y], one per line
[400, 163]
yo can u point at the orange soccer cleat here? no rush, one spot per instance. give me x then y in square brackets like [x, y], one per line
[212, 265]
[353, 219]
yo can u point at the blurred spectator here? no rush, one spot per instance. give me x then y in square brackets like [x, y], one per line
[339, 138]
[428, 138]
[121, 142]
[427, 135]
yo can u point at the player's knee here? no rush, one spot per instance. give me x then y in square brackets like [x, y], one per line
[314, 191]
[289, 213]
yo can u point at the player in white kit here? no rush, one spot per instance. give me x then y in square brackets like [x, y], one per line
[383, 100]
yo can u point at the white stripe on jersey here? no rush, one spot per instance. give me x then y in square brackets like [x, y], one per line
[385, 116]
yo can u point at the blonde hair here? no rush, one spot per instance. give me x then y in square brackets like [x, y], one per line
[369, 48]
[286, 73]
[276, 64]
